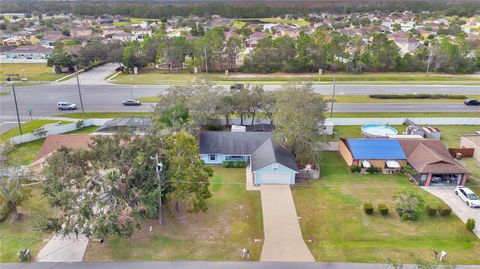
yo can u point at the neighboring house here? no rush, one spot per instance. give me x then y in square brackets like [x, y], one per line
[124, 37]
[433, 163]
[141, 33]
[50, 39]
[406, 45]
[15, 42]
[385, 154]
[29, 52]
[253, 39]
[471, 141]
[139, 125]
[110, 30]
[81, 32]
[268, 162]
[54, 142]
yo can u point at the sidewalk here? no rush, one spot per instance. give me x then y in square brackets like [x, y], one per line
[63, 249]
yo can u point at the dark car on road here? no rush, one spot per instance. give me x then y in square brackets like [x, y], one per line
[131, 102]
[237, 86]
[472, 102]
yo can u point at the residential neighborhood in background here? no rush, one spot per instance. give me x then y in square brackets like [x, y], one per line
[240, 134]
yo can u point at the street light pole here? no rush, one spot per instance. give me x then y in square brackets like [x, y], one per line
[333, 96]
[15, 99]
[80, 94]
[16, 108]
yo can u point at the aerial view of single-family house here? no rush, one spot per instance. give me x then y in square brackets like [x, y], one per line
[141, 33]
[268, 162]
[29, 52]
[81, 32]
[384, 154]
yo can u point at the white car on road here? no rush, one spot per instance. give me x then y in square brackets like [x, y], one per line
[66, 106]
[468, 196]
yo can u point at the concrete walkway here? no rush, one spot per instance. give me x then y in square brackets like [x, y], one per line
[63, 249]
[459, 207]
[283, 238]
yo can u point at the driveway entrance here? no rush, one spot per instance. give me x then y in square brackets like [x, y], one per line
[447, 194]
[283, 238]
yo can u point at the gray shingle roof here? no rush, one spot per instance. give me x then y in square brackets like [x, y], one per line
[231, 143]
[269, 153]
[259, 145]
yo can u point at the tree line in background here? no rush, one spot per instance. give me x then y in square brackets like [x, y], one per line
[236, 9]
[325, 49]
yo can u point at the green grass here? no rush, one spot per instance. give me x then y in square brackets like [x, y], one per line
[104, 115]
[473, 166]
[367, 99]
[403, 114]
[26, 128]
[152, 76]
[25, 153]
[130, 21]
[149, 99]
[337, 230]
[4, 93]
[233, 220]
[451, 133]
[34, 72]
[23, 234]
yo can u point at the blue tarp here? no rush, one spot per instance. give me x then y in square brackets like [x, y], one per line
[376, 149]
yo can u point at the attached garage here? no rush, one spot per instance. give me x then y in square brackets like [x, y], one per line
[268, 177]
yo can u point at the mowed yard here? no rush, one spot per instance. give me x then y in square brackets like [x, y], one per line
[33, 72]
[233, 221]
[336, 228]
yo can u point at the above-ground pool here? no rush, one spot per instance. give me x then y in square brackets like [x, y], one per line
[378, 130]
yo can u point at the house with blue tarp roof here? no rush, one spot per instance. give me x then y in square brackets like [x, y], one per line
[384, 154]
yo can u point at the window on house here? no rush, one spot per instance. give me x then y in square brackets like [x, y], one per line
[213, 157]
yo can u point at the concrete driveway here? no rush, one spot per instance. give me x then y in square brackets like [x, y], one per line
[458, 206]
[63, 249]
[283, 238]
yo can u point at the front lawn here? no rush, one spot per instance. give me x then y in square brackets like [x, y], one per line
[33, 72]
[336, 228]
[27, 128]
[233, 220]
[24, 233]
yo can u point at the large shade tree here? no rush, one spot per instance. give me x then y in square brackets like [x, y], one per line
[299, 117]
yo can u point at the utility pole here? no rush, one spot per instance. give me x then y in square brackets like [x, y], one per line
[158, 170]
[333, 96]
[429, 62]
[80, 94]
[15, 99]
[206, 62]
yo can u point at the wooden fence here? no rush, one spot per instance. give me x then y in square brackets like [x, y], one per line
[466, 152]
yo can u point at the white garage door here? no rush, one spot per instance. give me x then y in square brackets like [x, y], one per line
[275, 178]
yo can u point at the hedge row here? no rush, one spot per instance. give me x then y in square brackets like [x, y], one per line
[417, 96]
[234, 164]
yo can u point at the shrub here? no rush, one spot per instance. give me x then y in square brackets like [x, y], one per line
[234, 164]
[417, 96]
[4, 212]
[371, 170]
[383, 209]
[444, 210]
[431, 211]
[355, 169]
[408, 205]
[470, 224]
[368, 208]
